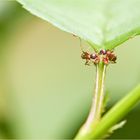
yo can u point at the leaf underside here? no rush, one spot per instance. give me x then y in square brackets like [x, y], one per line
[102, 23]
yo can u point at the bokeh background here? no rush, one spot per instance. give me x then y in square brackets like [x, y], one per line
[45, 88]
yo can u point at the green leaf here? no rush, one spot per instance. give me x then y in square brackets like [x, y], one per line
[102, 23]
[116, 127]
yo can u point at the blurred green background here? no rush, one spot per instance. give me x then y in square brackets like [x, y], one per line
[45, 88]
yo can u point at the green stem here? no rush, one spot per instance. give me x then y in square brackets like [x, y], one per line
[116, 113]
[97, 103]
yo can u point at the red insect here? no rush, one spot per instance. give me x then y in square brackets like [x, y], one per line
[102, 52]
[86, 56]
[111, 56]
[106, 61]
[93, 56]
[105, 56]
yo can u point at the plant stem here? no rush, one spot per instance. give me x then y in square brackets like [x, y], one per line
[116, 113]
[97, 103]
